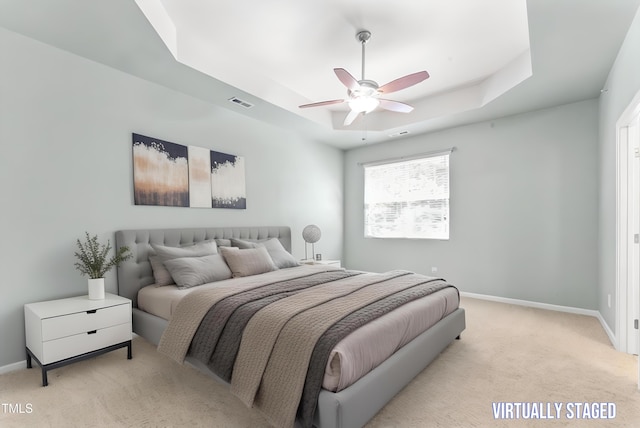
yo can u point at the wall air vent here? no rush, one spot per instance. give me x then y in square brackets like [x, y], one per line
[240, 102]
[399, 134]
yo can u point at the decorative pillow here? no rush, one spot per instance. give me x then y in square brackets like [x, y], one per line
[160, 273]
[164, 253]
[243, 244]
[223, 242]
[192, 271]
[248, 262]
[281, 257]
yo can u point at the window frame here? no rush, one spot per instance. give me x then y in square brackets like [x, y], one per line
[412, 207]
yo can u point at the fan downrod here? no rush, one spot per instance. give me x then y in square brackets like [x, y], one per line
[363, 37]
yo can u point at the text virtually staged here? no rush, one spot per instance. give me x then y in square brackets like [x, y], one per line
[553, 410]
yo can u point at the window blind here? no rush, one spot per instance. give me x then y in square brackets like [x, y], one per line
[407, 198]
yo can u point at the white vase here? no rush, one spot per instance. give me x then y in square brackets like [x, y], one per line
[96, 289]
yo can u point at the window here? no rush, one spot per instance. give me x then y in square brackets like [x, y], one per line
[407, 198]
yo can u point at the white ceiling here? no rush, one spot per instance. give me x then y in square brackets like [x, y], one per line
[279, 54]
[474, 51]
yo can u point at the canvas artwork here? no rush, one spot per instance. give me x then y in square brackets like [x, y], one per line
[199, 177]
[227, 181]
[171, 174]
[160, 172]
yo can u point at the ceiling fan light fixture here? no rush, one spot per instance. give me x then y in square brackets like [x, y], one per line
[362, 95]
[363, 104]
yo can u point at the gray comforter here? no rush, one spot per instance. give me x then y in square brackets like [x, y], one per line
[218, 339]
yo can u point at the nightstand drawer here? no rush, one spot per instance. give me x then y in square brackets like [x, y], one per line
[81, 322]
[71, 346]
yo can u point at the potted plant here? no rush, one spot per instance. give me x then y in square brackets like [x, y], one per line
[92, 261]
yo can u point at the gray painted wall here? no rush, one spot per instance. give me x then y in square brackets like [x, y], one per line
[65, 131]
[622, 85]
[65, 168]
[524, 208]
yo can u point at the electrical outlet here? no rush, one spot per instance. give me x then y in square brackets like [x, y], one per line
[609, 299]
[434, 269]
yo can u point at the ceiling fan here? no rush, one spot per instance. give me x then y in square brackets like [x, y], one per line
[363, 94]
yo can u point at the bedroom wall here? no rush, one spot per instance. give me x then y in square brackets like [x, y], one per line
[523, 208]
[622, 85]
[66, 168]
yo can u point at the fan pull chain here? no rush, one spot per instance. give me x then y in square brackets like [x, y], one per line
[364, 127]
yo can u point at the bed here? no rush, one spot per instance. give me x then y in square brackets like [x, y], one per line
[349, 405]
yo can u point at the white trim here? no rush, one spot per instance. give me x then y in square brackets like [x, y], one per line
[13, 367]
[622, 221]
[547, 306]
[622, 241]
[610, 333]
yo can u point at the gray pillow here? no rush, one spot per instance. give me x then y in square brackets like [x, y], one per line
[192, 271]
[243, 244]
[223, 242]
[281, 257]
[248, 262]
[160, 273]
[164, 253]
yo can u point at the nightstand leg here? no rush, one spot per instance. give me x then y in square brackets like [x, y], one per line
[45, 381]
[28, 360]
[129, 356]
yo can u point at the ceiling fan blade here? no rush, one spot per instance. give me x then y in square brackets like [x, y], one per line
[321, 103]
[395, 106]
[346, 78]
[403, 82]
[353, 115]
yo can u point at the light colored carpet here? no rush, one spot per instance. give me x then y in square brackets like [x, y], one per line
[507, 354]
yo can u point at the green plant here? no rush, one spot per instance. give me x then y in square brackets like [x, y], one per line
[92, 257]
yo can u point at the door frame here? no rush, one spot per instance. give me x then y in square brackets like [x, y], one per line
[624, 225]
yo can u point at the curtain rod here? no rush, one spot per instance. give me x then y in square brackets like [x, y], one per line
[408, 158]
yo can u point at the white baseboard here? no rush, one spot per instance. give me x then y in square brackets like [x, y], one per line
[550, 307]
[13, 367]
[612, 336]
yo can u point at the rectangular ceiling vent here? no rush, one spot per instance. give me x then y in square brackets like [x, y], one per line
[240, 102]
[399, 134]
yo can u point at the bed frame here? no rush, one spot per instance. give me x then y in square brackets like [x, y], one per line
[349, 408]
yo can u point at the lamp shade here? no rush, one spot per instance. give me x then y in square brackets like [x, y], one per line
[311, 234]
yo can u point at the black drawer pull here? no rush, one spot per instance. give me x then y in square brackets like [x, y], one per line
[92, 332]
[92, 312]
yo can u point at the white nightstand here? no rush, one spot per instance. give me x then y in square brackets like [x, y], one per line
[61, 332]
[336, 263]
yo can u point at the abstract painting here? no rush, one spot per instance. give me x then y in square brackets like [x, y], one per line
[199, 177]
[227, 181]
[160, 172]
[172, 174]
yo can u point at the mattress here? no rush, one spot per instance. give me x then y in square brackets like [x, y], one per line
[359, 352]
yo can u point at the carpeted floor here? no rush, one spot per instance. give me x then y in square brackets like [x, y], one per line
[507, 354]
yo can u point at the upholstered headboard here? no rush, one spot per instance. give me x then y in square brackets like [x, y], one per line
[136, 272]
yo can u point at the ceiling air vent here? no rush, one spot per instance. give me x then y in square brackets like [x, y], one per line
[240, 102]
[399, 134]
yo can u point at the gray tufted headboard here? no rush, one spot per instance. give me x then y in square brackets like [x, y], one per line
[136, 273]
